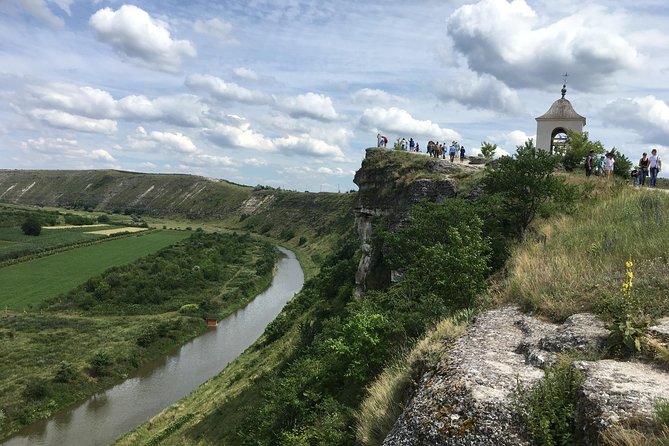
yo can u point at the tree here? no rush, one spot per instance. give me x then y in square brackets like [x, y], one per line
[577, 148]
[488, 150]
[31, 226]
[522, 183]
[442, 253]
[622, 166]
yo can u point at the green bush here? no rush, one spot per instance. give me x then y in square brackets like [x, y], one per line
[104, 219]
[99, 363]
[36, 389]
[65, 373]
[31, 226]
[547, 409]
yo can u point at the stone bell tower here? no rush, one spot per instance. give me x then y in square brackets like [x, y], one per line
[552, 126]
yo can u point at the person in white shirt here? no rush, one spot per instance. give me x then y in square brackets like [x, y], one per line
[655, 166]
[608, 164]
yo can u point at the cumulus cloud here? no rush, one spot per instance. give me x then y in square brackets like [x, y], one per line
[255, 162]
[246, 73]
[309, 146]
[241, 136]
[214, 27]
[510, 42]
[63, 120]
[337, 171]
[647, 116]
[374, 96]
[66, 148]
[143, 40]
[481, 92]
[84, 101]
[183, 109]
[40, 10]
[309, 105]
[400, 122]
[220, 89]
[173, 141]
[205, 160]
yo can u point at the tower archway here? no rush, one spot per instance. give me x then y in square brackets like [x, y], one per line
[552, 126]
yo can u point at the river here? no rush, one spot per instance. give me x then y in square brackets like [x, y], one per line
[107, 415]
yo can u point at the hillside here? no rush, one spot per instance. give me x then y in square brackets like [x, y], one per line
[123, 192]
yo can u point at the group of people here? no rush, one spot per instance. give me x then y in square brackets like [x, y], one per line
[648, 166]
[434, 149]
[437, 150]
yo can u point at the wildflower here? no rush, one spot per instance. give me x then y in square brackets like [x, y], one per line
[629, 264]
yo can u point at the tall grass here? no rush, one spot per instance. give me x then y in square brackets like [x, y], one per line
[577, 259]
[386, 395]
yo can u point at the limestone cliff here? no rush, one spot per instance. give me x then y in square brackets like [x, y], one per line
[389, 183]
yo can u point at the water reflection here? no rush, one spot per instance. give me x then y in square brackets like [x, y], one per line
[106, 416]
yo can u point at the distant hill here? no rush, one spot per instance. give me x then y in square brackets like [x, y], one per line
[123, 192]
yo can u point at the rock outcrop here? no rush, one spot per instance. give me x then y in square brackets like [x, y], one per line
[389, 184]
[468, 398]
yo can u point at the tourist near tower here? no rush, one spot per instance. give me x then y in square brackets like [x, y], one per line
[552, 126]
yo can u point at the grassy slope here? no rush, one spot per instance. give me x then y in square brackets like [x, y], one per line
[29, 283]
[578, 260]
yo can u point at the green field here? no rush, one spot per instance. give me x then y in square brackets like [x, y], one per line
[13, 243]
[28, 283]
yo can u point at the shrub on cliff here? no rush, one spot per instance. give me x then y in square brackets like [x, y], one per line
[522, 184]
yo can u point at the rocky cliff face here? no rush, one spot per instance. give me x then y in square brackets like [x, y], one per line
[469, 398]
[389, 184]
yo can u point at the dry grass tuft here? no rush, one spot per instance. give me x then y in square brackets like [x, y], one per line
[386, 395]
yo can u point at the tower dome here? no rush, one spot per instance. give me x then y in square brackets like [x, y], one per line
[559, 118]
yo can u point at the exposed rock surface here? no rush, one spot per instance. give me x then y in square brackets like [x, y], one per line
[614, 391]
[468, 399]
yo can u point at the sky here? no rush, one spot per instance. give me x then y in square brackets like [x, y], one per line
[290, 93]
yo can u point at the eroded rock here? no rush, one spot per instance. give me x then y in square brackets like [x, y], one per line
[469, 398]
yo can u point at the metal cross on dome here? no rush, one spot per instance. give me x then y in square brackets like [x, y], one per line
[564, 84]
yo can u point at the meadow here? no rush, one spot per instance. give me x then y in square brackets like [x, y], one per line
[25, 285]
[14, 243]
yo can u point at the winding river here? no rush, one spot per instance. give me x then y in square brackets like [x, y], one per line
[108, 415]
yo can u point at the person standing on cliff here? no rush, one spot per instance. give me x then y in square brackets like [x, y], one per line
[462, 154]
[608, 165]
[655, 166]
[644, 162]
[589, 163]
[379, 140]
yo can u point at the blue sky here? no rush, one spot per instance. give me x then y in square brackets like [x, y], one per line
[290, 93]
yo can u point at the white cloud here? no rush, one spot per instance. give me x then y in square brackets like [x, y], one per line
[246, 73]
[84, 101]
[310, 105]
[483, 92]
[375, 96]
[173, 141]
[509, 41]
[101, 154]
[647, 116]
[204, 160]
[65, 147]
[145, 41]
[63, 120]
[64, 5]
[400, 122]
[220, 89]
[242, 136]
[186, 110]
[255, 162]
[214, 27]
[337, 171]
[308, 145]
[40, 10]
